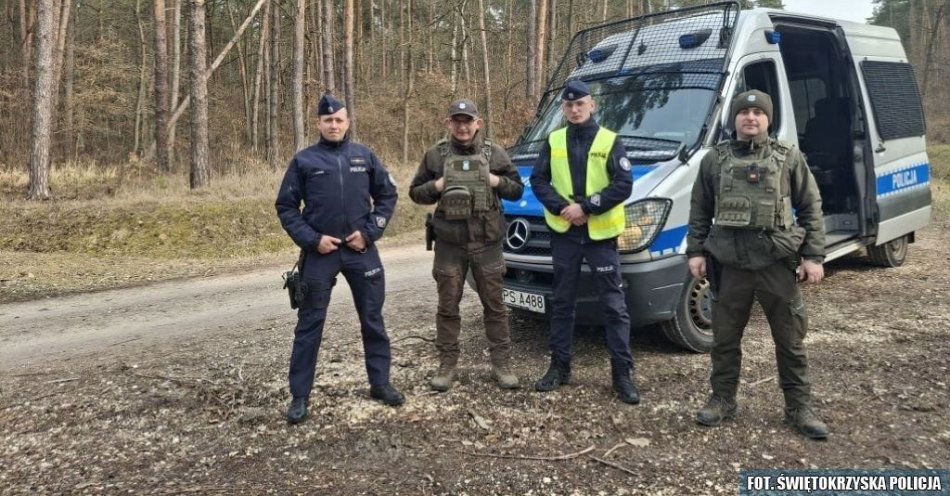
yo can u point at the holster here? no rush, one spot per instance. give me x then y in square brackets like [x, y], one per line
[430, 232]
[293, 282]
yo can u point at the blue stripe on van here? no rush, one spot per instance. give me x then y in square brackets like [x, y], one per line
[529, 205]
[898, 181]
[668, 241]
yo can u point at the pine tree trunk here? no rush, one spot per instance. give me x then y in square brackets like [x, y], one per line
[383, 49]
[463, 12]
[531, 62]
[68, 92]
[329, 77]
[300, 137]
[273, 98]
[140, 100]
[407, 93]
[63, 22]
[349, 84]
[28, 24]
[259, 78]
[430, 52]
[551, 36]
[509, 46]
[541, 80]
[487, 70]
[176, 76]
[161, 87]
[455, 56]
[242, 67]
[402, 43]
[200, 175]
[570, 19]
[42, 100]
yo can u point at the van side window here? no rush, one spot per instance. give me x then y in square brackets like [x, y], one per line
[892, 89]
[761, 76]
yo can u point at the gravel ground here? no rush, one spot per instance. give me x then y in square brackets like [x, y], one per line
[203, 412]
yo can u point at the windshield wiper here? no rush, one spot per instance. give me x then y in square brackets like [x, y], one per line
[674, 142]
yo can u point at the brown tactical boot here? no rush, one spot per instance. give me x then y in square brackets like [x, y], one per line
[716, 410]
[502, 374]
[443, 378]
[806, 421]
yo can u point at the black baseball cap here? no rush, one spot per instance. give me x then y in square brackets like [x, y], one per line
[463, 106]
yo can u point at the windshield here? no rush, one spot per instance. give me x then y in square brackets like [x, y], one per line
[657, 106]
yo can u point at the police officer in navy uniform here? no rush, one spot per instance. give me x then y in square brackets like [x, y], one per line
[582, 178]
[336, 179]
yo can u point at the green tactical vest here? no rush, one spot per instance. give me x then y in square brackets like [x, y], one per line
[753, 193]
[603, 226]
[468, 189]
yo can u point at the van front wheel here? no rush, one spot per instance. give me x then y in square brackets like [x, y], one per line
[691, 325]
[890, 254]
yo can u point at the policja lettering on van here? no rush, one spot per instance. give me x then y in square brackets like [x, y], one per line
[905, 179]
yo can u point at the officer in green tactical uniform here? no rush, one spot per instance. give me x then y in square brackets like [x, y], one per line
[756, 223]
[465, 175]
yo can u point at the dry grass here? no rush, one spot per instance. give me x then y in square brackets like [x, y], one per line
[129, 211]
[940, 184]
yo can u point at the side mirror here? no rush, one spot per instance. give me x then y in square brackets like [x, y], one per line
[681, 153]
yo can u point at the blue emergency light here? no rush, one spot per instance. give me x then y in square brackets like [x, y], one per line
[597, 55]
[695, 39]
[773, 37]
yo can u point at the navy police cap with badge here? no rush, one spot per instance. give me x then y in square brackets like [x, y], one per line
[575, 89]
[329, 105]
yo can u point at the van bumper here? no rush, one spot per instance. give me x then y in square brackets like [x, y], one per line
[652, 289]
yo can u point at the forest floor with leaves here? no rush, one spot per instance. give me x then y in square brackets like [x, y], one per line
[203, 413]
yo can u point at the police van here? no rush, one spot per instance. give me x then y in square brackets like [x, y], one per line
[843, 92]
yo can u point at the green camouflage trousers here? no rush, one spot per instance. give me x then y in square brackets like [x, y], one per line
[777, 291]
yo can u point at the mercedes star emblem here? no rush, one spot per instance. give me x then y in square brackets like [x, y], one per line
[518, 233]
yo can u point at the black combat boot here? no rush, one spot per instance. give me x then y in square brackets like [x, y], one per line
[558, 373]
[387, 394]
[297, 412]
[806, 421]
[626, 390]
[716, 410]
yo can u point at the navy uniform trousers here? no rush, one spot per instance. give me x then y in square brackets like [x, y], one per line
[364, 274]
[604, 263]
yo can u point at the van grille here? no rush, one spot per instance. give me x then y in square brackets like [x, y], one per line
[539, 239]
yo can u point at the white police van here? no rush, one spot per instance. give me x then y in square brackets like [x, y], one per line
[843, 92]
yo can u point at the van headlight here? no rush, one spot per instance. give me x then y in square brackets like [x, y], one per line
[645, 220]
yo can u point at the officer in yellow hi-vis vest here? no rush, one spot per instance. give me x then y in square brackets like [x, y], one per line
[582, 178]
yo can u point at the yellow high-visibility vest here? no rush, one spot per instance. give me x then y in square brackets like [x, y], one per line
[603, 226]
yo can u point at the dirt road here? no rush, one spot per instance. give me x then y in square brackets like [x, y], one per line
[194, 404]
[85, 324]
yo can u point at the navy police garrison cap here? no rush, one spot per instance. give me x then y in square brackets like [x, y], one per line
[329, 105]
[575, 89]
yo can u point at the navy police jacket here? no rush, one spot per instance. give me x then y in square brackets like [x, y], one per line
[344, 188]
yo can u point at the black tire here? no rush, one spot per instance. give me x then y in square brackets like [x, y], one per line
[890, 254]
[691, 326]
